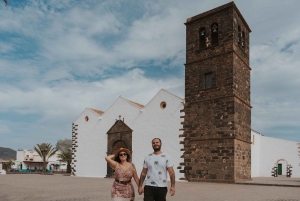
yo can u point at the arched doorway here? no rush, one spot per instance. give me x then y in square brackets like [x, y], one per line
[280, 166]
[119, 144]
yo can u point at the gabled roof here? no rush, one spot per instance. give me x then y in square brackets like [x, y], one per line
[164, 90]
[170, 93]
[97, 111]
[257, 132]
[137, 104]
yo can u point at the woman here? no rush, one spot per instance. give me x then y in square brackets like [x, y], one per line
[122, 189]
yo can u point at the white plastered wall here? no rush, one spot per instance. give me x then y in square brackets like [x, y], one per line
[161, 123]
[146, 123]
[92, 137]
[266, 151]
[255, 150]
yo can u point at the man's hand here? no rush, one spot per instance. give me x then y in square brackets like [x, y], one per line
[172, 190]
[172, 177]
[141, 190]
[142, 178]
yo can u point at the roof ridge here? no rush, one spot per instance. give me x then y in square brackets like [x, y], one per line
[172, 94]
[97, 111]
[135, 103]
[257, 132]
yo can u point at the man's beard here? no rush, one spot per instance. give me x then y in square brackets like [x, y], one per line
[156, 149]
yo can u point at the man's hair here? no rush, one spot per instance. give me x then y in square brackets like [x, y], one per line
[155, 139]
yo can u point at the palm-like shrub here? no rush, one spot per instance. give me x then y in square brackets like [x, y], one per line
[8, 164]
[65, 148]
[66, 156]
[45, 151]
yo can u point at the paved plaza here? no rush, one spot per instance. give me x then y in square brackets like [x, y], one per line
[36, 187]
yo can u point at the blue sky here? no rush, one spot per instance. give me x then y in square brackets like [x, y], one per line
[59, 57]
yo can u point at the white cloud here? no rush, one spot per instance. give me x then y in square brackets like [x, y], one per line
[59, 56]
[67, 99]
[59, 105]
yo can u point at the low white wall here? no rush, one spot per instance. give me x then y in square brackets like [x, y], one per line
[255, 154]
[273, 149]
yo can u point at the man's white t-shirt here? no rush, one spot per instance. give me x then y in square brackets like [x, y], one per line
[157, 169]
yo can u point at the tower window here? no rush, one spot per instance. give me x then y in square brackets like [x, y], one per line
[243, 39]
[208, 80]
[239, 35]
[214, 33]
[202, 36]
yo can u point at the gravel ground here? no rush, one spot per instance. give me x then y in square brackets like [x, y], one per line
[15, 187]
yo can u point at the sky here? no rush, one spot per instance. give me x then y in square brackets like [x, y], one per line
[58, 57]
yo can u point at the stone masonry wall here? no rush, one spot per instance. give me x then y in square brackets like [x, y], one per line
[242, 160]
[217, 120]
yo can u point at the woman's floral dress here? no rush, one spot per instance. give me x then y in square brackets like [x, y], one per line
[122, 192]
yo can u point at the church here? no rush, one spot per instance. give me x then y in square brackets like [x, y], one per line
[208, 133]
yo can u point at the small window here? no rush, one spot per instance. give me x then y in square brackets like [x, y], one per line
[208, 80]
[202, 37]
[86, 118]
[163, 105]
[214, 34]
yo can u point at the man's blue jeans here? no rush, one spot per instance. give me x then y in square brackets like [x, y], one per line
[152, 193]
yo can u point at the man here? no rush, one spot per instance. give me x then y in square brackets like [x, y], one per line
[155, 167]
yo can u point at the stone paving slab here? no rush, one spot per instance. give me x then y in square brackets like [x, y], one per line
[65, 188]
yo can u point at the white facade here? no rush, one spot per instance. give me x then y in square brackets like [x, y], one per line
[28, 160]
[152, 121]
[266, 152]
[146, 122]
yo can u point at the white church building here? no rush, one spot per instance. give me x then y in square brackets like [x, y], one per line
[127, 124]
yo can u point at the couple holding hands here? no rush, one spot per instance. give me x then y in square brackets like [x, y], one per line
[155, 169]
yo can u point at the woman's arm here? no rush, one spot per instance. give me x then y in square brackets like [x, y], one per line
[135, 176]
[111, 162]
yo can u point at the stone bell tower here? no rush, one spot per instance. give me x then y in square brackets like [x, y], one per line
[217, 119]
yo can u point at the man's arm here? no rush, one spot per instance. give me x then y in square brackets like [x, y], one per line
[142, 179]
[172, 178]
